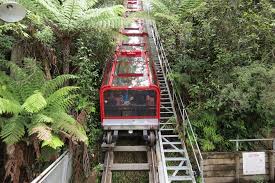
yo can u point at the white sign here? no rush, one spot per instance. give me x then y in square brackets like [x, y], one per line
[253, 163]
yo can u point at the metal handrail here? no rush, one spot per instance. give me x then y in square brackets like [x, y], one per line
[177, 100]
[252, 140]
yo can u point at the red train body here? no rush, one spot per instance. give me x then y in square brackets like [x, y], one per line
[130, 93]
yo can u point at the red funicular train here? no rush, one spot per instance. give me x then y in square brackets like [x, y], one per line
[130, 94]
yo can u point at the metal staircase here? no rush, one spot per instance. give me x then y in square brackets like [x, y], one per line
[176, 165]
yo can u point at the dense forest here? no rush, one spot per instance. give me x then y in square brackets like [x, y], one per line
[223, 55]
[51, 63]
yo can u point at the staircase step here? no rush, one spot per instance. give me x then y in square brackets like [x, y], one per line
[174, 143]
[175, 159]
[167, 129]
[174, 150]
[167, 123]
[170, 136]
[177, 168]
[179, 178]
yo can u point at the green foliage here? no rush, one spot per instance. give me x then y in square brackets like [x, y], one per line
[35, 103]
[13, 130]
[45, 35]
[54, 142]
[40, 111]
[72, 15]
[90, 60]
[223, 59]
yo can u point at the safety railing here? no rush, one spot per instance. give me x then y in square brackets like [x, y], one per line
[178, 103]
[59, 171]
[238, 141]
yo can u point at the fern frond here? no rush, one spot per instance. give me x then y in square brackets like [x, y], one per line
[87, 4]
[35, 103]
[6, 93]
[52, 85]
[54, 142]
[43, 131]
[18, 72]
[109, 17]
[117, 10]
[41, 118]
[8, 106]
[13, 131]
[114, 22]
[172, 19]
[62, 98]
[52, 7]
[65, 122]
[159, 6]
[72, 11]
[26, 79]
[190, 4]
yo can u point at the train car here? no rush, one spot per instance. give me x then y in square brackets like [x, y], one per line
[130, 93]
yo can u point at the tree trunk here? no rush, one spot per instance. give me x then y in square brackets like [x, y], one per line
[47, 69]
[66, 45]
[13, 163]
[17, 54]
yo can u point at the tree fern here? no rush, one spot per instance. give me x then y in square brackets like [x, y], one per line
[13, 131]
[35, 102]
[28, 78]
[9, 107]
[70, 126]
[52, 85]
[60, 99]
[54, 142]
[42, 131]
[52, 7]
[43, 112]
[75, 15]
[71, 11]
[41, 118]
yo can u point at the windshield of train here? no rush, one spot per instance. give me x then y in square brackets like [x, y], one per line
[129, 103]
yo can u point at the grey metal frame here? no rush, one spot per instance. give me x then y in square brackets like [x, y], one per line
[237, 141]
[177, 102]
[59, 171]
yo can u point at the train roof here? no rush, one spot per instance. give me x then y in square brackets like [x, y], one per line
[130, 69]
[131, 66]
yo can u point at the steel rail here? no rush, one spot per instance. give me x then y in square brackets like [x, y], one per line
[109, 166]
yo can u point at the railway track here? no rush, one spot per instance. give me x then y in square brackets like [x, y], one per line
[116, 151]
[165, 156]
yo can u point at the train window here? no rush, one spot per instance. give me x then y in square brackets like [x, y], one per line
[132, 31]
[133, 6]
[131, 81]
[130, 68]
[129, 103]
[130, 59]
[134, 40]
[131, 48]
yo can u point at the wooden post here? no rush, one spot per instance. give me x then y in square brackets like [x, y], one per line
[237, 169]
[271, 165]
